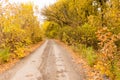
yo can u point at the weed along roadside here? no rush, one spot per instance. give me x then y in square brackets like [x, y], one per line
[12, 59]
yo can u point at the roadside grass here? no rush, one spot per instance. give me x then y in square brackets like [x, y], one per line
[4, 55]
[86, 56]
[92, 58]
[87, 53]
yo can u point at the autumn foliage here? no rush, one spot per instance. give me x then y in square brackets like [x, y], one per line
[109, 55]
[91, 27]
[19, 28]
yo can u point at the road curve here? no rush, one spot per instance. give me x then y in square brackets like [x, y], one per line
[49, 62]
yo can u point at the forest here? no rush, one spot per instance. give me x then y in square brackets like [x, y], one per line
[90, 27]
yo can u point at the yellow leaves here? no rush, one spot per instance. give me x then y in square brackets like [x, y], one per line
[103, 68]
[46, 25]
[27, 8]
[20, 52]
[18, 27]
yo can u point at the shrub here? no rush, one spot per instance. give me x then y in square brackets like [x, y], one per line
[85, 35]
[88, 36]
[108, 52]
[20, 52]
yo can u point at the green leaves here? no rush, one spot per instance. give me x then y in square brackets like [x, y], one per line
[4, 55]
[51, 29]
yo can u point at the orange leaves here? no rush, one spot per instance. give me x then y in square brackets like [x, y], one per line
[108, 52]
[105, 37]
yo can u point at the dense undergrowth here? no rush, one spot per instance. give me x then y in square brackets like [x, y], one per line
[90, 27]
[19, 28]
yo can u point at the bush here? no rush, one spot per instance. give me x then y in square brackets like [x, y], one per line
[85, 35]
[20, 52]
[88, 36]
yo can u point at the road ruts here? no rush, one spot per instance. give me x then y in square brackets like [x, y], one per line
[49, 62]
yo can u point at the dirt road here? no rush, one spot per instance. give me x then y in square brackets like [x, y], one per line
[49, 62]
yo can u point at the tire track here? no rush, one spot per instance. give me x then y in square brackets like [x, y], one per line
[49, 62]
[48, 67]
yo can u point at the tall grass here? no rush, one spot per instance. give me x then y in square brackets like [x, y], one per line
[4, 55]
[86, 52]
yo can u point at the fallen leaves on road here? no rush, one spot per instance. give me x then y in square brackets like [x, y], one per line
[91, 73]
